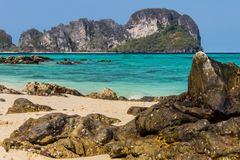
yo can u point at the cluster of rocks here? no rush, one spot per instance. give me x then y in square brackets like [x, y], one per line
[70, 62]
[202, 124]
[5, 90]
[61, 136]
[46, 89]
[23, 59]
[22, 105]
[107, 94]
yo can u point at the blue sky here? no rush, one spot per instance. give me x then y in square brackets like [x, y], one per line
[218, 20]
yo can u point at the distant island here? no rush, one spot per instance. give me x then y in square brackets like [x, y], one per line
[148, 30]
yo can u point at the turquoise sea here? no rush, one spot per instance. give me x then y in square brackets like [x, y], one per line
[131, 75]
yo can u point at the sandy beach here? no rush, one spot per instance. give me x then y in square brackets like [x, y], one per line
[69, 105]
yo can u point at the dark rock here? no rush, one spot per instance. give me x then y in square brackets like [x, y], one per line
[149, 99]
[153, 120]
[22, 105]
[46, 89]
[185, 132]
[61, 136]
[67, 62]
[155, 99]
[6, 90]
[24, 60]
[217, 84]
[2, 100]
[136, 110]
[105, 61]
[122, 98]
[216, 146]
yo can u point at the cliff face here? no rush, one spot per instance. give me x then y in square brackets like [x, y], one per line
[149, 21]
[5, 41]
[81, 35]
[107, 35]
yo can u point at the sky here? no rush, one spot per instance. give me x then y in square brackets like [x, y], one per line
[218, 20]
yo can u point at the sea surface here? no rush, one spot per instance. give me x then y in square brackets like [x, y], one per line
[130, 75]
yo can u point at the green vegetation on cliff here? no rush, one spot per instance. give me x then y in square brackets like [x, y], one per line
[170, 39]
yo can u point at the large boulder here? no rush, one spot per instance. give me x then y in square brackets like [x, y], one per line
[22, 105]
[46, 89]
[216, 83]
[5, 90]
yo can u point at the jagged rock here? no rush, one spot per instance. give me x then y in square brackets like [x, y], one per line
[23, 59]
[6, 90]
[216, 83]
[106, 35]
[106, 94]
[61, 136]
[136, 110]
[46, 89]
[153, 120]
[22, 105]
[185, 132]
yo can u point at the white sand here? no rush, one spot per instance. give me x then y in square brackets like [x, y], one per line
[68, 105]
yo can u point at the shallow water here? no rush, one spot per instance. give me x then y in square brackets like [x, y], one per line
[131, 75]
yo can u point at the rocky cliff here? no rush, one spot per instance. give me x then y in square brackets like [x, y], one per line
[160, 26]
[81, 35]
[5, 41]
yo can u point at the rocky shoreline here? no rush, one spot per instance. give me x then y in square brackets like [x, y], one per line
[201, 124]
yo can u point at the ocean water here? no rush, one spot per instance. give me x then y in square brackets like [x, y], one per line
[130, 75]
